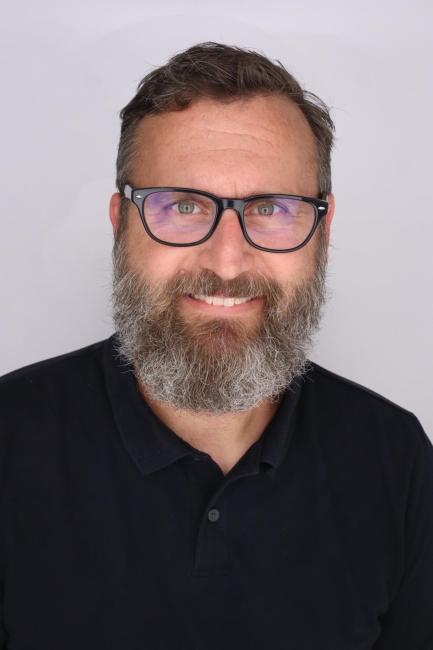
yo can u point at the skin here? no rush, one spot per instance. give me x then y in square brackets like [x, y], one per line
[258, 145]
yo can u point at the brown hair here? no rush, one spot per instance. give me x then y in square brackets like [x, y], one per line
[224, 73]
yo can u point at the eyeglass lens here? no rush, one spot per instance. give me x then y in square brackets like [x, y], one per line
[186, 217]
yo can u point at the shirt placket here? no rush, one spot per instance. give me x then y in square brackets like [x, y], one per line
[212, 553]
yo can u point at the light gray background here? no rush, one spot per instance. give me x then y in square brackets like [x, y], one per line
[68, 68]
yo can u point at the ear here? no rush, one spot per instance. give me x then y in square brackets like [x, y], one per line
[115, 202]
[329, 216]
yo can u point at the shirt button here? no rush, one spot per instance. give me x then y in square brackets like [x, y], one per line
[213, 515]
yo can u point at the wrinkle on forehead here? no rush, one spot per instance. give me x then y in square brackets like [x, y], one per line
[204, 138]
[249, 143]
[223, 149]
[263, 127]
[274, 116]
[245, 132]
[231, 136]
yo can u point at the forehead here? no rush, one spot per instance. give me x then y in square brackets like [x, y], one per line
[212, 137]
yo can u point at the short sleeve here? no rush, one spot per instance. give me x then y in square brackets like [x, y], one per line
[408, 623]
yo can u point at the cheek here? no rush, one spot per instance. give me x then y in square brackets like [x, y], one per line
[155, 262]
[290, 268]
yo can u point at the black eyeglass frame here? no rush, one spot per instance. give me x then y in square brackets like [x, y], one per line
[138, 196]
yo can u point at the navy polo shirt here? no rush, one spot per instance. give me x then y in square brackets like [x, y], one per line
[117, 534]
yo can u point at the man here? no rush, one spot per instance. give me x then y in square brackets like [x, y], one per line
[194, 482]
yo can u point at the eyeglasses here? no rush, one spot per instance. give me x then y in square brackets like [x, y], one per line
[179, 216]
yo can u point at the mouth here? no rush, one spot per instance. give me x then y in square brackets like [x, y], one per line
[221, 302]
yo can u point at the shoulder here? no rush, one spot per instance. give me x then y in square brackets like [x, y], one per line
[46, 403]
[49, 371]
[349, 395]
[355, 413]
[49, 414]
[36, 396]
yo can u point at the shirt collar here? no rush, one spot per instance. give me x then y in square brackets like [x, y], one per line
[153, 446]
[279, 432]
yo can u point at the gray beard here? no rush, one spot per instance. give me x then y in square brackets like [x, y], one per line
[216, 365]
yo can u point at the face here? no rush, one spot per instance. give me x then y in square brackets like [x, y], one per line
[236, 356]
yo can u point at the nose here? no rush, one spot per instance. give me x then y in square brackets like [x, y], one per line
[227, 252]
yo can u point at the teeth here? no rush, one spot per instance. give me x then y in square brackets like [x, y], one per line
[219, 300]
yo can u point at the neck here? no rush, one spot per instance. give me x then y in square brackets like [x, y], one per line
[225, 437]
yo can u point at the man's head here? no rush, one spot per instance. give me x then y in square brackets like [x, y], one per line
[232, 123]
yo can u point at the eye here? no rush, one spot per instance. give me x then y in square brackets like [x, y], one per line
[265, 209]
[186, 207]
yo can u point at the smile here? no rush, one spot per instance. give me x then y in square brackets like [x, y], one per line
[220, 300]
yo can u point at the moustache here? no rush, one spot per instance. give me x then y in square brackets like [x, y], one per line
[207, 282]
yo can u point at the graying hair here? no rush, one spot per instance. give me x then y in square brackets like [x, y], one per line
[215, 365]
